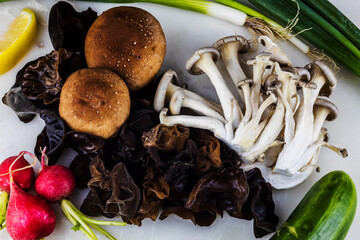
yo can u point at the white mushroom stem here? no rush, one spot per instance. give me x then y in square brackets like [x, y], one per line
[281, 181]
[247, 134]
[289, 84]
[289, 161]
[276, 122]
[201, 122]
[292, 150]
[259, 64]
[166, 89]
[206, 64]
[323, 111]
[229, 48]
[210, 104]
[179, 100]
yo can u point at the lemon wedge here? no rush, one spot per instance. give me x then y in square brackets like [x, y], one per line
[17, 40]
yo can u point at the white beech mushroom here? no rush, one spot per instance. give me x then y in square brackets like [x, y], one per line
[325, 110]
[246, 134]
[277, 54]
[203, 60]
[229, 47]
[288, 161]
[260, 63]
[166, 89]
[179, 100]
[273, 128]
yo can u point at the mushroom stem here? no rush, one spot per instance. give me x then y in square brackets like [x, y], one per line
[166, 89]
[203, 60]
[292, 150]
[229, 47]
[323, 110]
[179, 100]
[247, 134]
[201, 122]
[259, 64]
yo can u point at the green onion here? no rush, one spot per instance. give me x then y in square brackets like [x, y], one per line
[336, 18]
[321, 22]
[283, 12]
[276, 26]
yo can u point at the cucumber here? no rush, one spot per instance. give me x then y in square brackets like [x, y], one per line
[326, 211]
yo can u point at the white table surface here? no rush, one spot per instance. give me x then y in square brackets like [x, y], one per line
[186, 32]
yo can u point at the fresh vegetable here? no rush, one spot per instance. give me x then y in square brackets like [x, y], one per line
[17, 40]
[4, 199]
[336, 18]
[313, 16]
[310, 31]
[326, 211]
[24, 178]
[56, 183]
[23, 175]
[28, 216]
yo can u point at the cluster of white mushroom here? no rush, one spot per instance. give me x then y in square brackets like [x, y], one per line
[280, 126]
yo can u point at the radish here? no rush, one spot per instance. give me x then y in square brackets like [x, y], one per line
[56, 183]
[24, 178]
[28, 216]
[23, 175]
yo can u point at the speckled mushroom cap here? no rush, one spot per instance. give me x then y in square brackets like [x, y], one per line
[128, 41]
[95, 101]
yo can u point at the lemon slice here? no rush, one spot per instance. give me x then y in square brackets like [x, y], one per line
[17, 40]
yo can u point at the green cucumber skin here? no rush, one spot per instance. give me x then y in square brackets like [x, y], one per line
[328, 11]
[326, 211]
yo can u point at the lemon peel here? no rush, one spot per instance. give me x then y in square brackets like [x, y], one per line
[17, 40]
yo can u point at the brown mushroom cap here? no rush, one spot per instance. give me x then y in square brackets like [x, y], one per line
[241, 43]
[324, 103]
[130, 42]
[318, 67]
[192, 61]
[95, 101]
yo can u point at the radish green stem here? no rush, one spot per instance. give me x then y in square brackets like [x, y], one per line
[75, 223]
[103, 231]
[66, 206]
[79, 219]
[98, 222]
[4, 199]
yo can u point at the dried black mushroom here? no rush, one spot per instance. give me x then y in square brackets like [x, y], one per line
[112, 192]
[227, 190]
[260, 205]
[68, 28]
[39, 82]
[42, 80]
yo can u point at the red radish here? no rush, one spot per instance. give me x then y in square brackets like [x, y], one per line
[24, 178]
[55, 182]
[28, 216]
